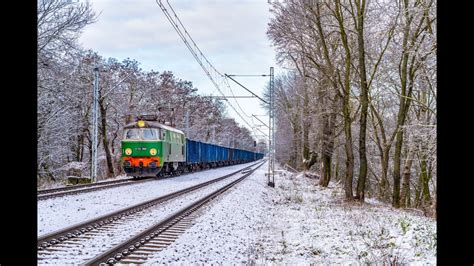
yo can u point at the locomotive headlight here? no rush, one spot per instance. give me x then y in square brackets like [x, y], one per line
[153, 151]
[141, 123]
[128, 151]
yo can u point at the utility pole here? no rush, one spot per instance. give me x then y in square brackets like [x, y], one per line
[271, 123]
[95, 120]
[271, 131]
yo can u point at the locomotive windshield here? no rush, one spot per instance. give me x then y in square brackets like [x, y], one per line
[142, 134]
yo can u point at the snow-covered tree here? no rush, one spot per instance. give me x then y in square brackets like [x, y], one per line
[359, 70]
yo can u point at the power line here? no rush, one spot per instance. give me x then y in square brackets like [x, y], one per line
[176, 23]
[246, 89]
[227, 82]
[261, 121]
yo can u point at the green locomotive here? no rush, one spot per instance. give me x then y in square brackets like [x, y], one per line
[150, 148]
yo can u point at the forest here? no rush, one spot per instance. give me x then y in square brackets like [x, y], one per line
[358, 101]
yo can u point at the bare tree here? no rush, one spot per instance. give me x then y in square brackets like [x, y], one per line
[417, 23]
[361, 59]
[59, 25]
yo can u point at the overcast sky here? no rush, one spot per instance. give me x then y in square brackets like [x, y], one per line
[230, 33]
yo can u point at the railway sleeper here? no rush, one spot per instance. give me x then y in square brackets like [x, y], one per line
[166, 237]
[133, 260]
[158, 242]
[169, 234]
[176, 231]
[144, 252]
[154, 247]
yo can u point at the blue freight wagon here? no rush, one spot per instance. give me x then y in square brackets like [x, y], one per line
[192, 151]
[205, 155]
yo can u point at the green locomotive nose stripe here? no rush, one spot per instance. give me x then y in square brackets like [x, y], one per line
[141, 149]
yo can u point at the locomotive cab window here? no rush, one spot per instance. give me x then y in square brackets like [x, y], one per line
[142, 134]
[150, 133]
[133, 133]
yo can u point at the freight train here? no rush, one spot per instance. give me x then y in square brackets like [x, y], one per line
[150, 148]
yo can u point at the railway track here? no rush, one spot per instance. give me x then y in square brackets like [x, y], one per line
[156, 238]
[73, 235]
[78, 189]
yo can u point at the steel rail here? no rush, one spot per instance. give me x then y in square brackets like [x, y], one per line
[121, 251]
[77, 190]
[60, 189]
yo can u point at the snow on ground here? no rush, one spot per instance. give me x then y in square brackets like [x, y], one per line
[227, 230]
[298, 222]
[44, 184]
[61, 212]
[315, 226]
[102, 241]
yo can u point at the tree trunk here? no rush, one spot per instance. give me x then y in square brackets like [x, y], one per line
[405, 196]
[405, 101]
[401, 113]
[346, 109]
[105, 142]
[299, 132]
[328, 144]
[384, 184]
[348, 149]
[419, 188]
[312, 160]
[396, 169]
[82, 137]
[294, 152]
[305, 127]
[305, 144]
[426, 197]
[326, 170]
[364, 99]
